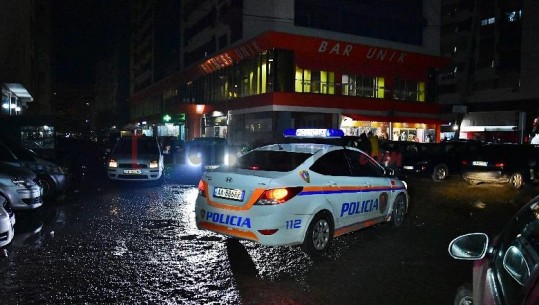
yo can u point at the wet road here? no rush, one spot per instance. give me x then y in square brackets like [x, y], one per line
[120, 244]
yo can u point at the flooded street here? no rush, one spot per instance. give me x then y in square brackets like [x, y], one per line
[127, 244]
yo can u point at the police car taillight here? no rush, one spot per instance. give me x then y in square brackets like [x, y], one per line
[201, 188]
[278, 195]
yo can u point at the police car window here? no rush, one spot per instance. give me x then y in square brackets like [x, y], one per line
[333, 163]
[269, 160]
[517, 251]
[362, 166]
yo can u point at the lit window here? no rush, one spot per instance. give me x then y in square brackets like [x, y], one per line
[488, 21]
[514, 16]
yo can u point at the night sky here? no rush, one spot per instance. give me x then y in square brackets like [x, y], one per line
[83, 34]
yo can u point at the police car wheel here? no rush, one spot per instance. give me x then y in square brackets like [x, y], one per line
[399, 211]
[319, 235]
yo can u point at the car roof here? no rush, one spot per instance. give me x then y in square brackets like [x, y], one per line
[310, 148]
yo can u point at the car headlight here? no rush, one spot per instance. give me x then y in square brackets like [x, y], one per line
[154, 164]
[113, 163]
[230, 159]
[20, 182]
[195, 159]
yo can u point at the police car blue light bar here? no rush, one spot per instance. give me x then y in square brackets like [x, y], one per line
[313, 133]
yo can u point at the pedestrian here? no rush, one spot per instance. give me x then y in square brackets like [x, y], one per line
[364, 143]
[375, 149]
[403, 136]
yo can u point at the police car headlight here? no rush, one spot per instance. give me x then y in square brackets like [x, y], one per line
[278, 195]
[405, 184]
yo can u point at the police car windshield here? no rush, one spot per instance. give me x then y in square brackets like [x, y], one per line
[271, 160]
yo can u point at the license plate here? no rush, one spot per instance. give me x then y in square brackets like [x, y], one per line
[132, 171]
[479, 163]
[408, 167]
[233, 194]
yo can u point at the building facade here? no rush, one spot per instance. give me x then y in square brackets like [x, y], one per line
[490, 87]
[25, 56]
[250, 69]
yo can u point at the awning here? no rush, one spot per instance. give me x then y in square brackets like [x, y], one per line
[19, 91]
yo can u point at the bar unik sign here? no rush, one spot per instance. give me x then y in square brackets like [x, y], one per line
[373, 53]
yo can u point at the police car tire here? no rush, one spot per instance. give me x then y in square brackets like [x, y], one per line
[319, 234]
[399, 210]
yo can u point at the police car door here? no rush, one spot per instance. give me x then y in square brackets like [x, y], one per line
[369, 175]
[340, 187]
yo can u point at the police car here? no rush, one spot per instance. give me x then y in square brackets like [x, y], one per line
[300, 193]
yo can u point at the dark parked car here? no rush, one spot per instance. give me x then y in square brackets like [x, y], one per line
[50, 176]
[438, 160]
[84, 160]
[207, 153]
[515, 164]
[393, 154]
[505, 271]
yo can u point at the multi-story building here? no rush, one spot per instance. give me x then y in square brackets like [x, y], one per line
[25, 57]
[251, 69]
[490, 90]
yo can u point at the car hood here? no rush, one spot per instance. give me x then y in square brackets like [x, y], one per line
[16, 171]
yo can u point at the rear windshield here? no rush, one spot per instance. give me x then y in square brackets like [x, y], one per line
[264, 160]
[502, 151]
[141, 145]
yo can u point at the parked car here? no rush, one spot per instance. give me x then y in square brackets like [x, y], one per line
[136, 158]
[50, 176]
[7, 222]
[394, 153]
[438, 160]
[84, 160]
[18, 189]
[207, 153]
[506, 270]
[515, 164]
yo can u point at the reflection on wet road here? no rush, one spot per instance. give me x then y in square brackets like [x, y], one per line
[124, 244]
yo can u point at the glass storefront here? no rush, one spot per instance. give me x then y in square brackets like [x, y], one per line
[417, 132]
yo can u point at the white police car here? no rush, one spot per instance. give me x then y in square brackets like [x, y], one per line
[299, 193]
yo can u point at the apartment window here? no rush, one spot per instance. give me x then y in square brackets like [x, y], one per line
[409, 90]
[514, 16]
[360, 85]
[308, 81]
[488, 21]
